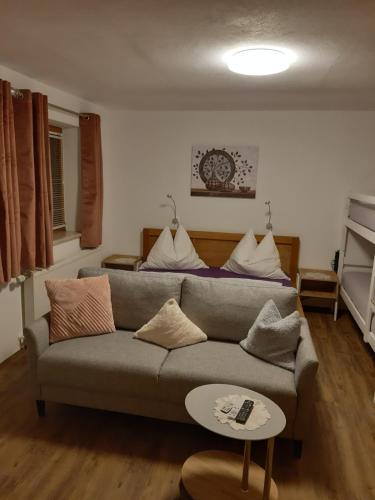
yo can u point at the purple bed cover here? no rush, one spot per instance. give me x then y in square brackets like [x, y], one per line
[217, 272]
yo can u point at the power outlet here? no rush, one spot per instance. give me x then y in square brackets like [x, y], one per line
[21, 341]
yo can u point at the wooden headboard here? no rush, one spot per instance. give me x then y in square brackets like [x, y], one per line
[215, 248]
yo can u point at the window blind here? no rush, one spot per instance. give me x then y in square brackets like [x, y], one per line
[57, 171]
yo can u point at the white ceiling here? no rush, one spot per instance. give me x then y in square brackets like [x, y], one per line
[168, 54]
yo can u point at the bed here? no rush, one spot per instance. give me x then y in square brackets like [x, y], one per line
[215, 248]
[357, 286]
[362, 213]
[357, 282]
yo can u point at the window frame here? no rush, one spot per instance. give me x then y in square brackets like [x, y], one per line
[55, 132]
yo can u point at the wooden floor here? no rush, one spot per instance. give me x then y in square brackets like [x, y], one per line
[78, 453]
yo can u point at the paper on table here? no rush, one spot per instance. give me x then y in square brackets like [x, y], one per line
[258, 416]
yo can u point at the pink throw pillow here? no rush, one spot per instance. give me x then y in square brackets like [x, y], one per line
[80, 307]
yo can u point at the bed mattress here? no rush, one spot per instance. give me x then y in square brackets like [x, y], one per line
[363, 214]
[357, 286]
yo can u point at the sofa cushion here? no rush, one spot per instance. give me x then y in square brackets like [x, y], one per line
[171, 328]
[226, 311]
[80, 308]
[114, 363]
[274, 338]
[216, 362]
[137, 297]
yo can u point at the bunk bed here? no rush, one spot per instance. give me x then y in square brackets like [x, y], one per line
[357, 281]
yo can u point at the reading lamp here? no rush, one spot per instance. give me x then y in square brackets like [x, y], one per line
[269, 215]
[175, 221]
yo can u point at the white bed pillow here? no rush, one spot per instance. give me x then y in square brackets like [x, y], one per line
[173, 254]
[171, 328]
[261, 260]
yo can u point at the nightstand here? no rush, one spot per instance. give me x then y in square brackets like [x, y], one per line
[124, 262]
[319, 284]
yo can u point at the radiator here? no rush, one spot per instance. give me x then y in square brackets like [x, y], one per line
[35, 299]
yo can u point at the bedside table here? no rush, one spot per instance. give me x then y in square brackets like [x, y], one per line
[124, 262]
[319, 284]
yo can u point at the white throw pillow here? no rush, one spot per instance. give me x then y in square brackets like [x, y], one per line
[273, 338]
[177, 254]
[261, 260]
[171, 328]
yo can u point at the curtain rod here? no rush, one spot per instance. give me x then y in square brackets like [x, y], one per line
[18, 93]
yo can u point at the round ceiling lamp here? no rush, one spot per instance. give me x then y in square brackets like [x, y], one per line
[259, 61]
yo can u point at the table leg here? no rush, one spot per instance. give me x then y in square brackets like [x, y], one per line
[336, 308]
[246, 464]
[268, 471]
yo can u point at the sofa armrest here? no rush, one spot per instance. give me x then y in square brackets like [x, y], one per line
[305, 379]
[37, 336]
[36, 341]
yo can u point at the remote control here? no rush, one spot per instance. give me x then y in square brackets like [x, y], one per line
[245, 411]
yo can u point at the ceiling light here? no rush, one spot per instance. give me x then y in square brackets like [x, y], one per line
[259, 61]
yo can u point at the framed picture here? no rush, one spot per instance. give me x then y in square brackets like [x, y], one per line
[224, 171]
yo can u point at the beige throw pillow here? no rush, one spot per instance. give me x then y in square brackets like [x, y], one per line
[171, 328]
[80, 307]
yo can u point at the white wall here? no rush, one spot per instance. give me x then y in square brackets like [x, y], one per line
[308, 162]
[10, 296]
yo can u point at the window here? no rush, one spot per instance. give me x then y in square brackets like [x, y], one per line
[56, 148]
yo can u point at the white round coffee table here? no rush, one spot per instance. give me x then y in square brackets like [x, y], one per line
[223, 475]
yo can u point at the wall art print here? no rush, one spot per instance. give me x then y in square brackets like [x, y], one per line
[224, 171]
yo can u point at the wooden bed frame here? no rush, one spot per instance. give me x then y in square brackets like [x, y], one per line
[215, 248]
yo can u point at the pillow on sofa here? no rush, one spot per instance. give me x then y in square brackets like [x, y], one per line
[261, 260]
[274, 338]
[173, 254]
[80, 307]
[171, 328]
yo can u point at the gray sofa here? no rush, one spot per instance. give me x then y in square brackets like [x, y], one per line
[116, 372]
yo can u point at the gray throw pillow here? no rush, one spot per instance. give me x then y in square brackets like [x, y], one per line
[273, 338]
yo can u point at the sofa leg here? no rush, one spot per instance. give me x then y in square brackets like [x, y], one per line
[41, 407]
[297, 448]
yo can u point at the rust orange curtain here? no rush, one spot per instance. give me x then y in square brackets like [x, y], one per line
[91, 213]
[23, 118]
[43, 183]
[10, 228]
[25, 184]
